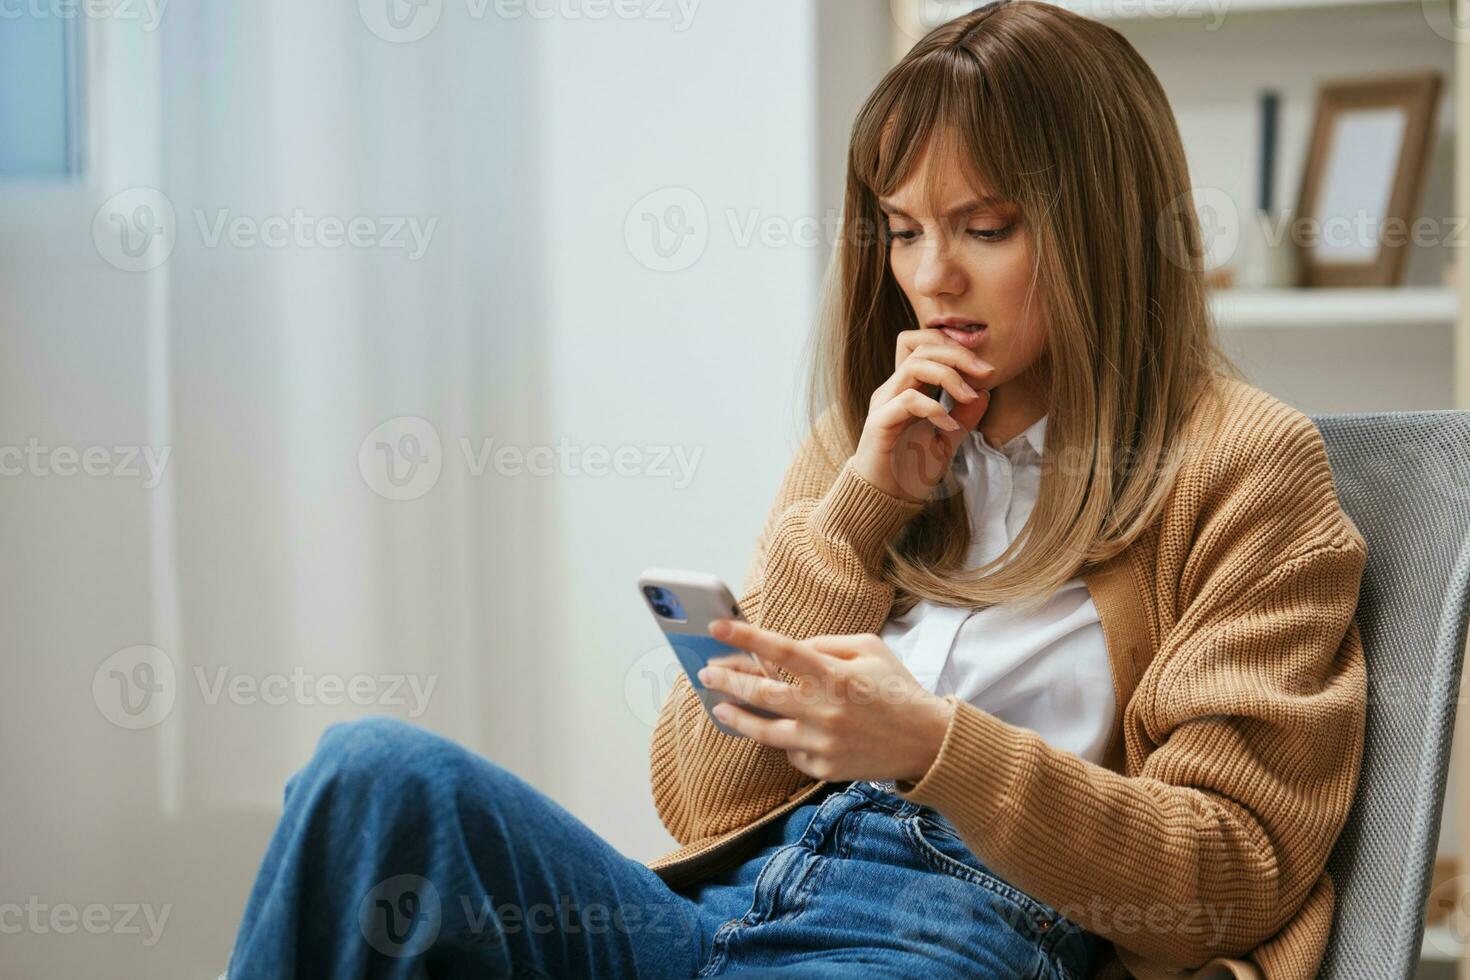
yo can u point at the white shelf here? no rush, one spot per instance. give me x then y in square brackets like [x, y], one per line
[1237, 309]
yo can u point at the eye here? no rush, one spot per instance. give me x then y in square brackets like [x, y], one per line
[890, 232]
[990, 234]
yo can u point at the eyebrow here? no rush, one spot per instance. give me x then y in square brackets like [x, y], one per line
[968, 207]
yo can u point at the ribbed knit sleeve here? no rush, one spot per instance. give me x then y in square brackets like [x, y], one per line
[815, 570]
[1249, 724]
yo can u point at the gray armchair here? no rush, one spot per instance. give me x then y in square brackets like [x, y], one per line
[1404, 479]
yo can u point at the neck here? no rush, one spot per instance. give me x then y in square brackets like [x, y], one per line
[1014, 408]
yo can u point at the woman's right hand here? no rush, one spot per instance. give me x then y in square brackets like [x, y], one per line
[909, 439]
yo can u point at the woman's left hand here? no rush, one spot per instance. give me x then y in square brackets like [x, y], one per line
[855, 711]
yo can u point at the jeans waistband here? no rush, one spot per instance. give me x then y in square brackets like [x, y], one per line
[880, 794]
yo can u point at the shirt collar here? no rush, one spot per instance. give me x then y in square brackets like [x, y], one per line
[1034, 436]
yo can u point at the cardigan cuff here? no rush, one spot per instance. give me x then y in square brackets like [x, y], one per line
[855, 511]
[978, 764]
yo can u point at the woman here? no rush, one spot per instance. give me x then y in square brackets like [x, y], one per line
[1057, 616]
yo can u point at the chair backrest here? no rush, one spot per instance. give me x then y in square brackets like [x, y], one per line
[1404, 479]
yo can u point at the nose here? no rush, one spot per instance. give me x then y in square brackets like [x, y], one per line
[938, 273]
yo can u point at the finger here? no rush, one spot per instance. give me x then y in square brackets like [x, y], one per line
[900, 411]
[972, 371]
[802, 761]
[918, 371]
[783, 699]
[957, 356]
[779, 733]
[840, 645]
[744, 661]
[942, 346]
[780, 650]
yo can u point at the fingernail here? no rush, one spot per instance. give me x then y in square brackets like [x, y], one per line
[946, 423]
[720, 628]
[704, 675]
[970, 392]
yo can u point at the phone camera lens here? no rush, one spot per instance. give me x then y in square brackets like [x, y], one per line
[662, 610]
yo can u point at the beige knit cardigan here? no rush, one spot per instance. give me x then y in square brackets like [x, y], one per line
[1198, 849]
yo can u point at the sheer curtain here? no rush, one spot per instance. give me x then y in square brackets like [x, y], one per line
[337, 266]
[391, 256]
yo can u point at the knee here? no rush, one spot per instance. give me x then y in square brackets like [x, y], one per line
[379, 752]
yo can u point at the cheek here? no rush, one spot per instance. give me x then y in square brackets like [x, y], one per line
[903, 271]
[1006, 277]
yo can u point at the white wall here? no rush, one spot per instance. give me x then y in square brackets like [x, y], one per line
[703, 360]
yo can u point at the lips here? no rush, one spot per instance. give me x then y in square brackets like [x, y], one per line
[967, 335]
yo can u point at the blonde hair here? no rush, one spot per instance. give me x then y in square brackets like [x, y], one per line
[1059, 114]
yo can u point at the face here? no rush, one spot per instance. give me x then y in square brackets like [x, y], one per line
[971, 260]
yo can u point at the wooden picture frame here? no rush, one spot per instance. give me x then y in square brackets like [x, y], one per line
[1370, 147]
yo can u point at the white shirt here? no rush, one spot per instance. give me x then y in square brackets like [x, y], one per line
[1049, 671]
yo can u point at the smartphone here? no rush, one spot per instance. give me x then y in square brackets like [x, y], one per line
[946, 400]
[684, 604]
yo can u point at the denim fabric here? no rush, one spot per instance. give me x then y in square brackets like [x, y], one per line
[401, 854]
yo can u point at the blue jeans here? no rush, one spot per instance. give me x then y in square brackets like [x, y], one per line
[401, 854]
